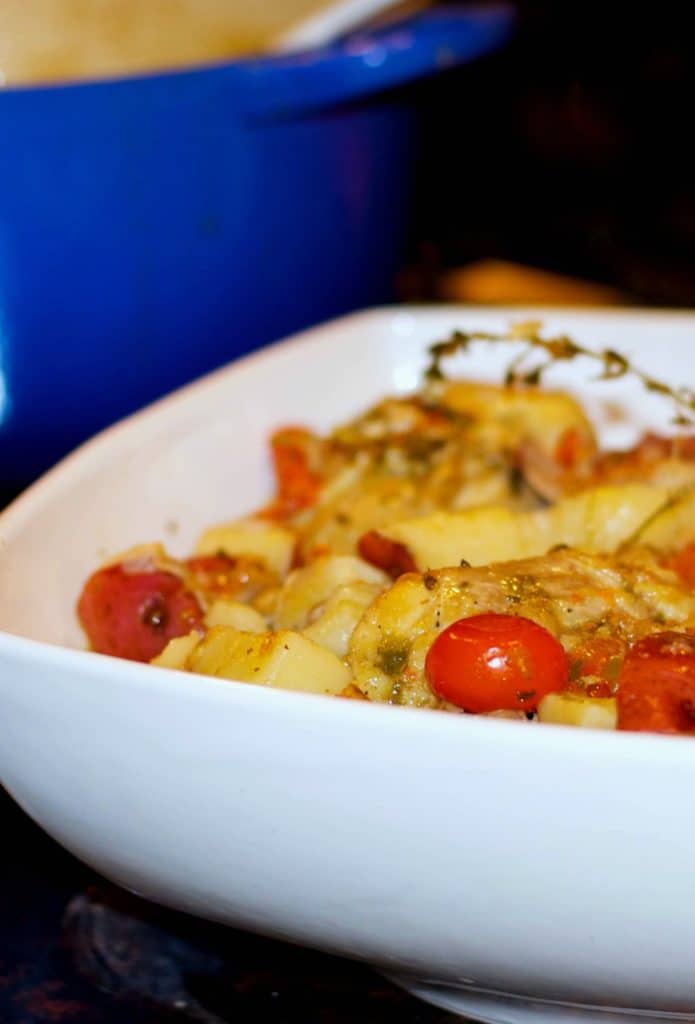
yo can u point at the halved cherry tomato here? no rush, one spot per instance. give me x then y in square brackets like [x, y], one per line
[297, 482]
[134, 615]
[386, 554]
[656, 687]
[496, 663]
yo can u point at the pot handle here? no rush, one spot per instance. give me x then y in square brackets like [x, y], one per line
[365, 64]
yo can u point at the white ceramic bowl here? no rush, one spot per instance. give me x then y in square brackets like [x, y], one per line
[504, 870]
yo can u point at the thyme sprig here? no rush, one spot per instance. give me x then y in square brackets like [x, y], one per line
[529, 372]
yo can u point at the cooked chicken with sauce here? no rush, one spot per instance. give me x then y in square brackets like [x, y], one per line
[578, 598]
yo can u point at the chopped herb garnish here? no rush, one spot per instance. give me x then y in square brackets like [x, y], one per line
[528, 372]
[393, 658]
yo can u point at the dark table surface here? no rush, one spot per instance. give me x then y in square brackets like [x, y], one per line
[76, 950]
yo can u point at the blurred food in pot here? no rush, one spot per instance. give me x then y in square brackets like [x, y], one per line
[499, 281]
[59, 40]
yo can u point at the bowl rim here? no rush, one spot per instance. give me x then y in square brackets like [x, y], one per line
[395, 721]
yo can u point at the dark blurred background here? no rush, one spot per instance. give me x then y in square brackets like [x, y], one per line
[569, 151]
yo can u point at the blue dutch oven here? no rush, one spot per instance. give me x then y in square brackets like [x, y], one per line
[152, 228]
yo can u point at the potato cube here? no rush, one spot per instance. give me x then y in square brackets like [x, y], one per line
[542, 416]
[597, 520]
[310, 587]
[255, 538]
[600, 519]
[574, 709]
[177, 651]
[339, 616]
[284, 659]
[235, 614]
[674, 525]
[478, 535]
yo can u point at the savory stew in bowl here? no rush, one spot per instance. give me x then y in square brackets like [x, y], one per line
[469, 547]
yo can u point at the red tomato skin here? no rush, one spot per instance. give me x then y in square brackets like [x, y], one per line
[494, 662]
[135, 615]
[656, 687]
[390, 556]
[297, 482]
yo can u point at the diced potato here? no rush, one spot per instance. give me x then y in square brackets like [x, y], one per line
[574, 709]
[597, 520]
[284, 659]
[340, 614]
[269, 543]
[530, 413]
[476, 535]
[673, 526]
[267, 601]
[177, 651]
[310, 587]
[600, 519]
[235, 614]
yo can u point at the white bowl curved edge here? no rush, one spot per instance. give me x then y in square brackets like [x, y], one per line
[545, 862]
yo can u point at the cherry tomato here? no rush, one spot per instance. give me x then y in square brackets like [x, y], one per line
[496, 663]
[656, 687]
[389, 555]
[297, 481]
[134, 615]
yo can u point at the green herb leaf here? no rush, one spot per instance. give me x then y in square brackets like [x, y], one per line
[557, 349]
